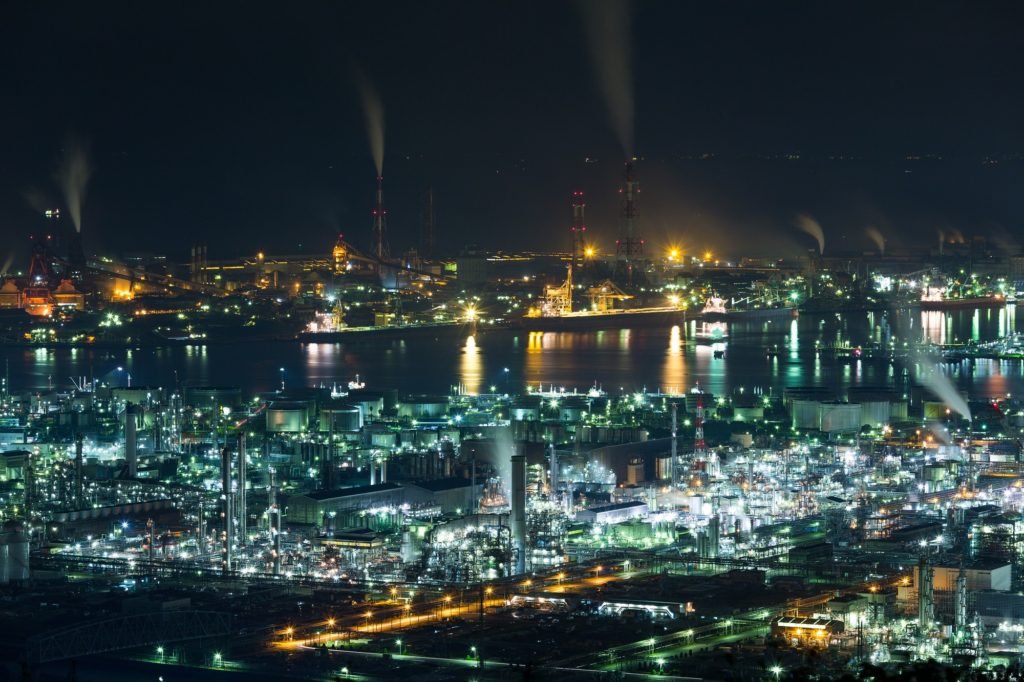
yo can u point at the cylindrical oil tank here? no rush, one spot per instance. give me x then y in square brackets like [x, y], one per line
[287, 417]
[805, 414]
[875, 413]
[5, 559]
[423, 407]
[342, 417]
[426, 437]
[369, 404]
[934, 409]
[525, 408]
[898, 410]
[663, 467]
[837, 417]
[229, 396]
[17, 551]
[572, 409]
[386, 439]
[635, 472]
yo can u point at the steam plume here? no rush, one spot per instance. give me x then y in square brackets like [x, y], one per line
[877, 238]
[809, 225]
[928, 375]
[7, 265]
[72, 176]
[607, 25]
[373, 110]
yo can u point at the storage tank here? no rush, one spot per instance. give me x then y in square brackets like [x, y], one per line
[423, 407]
[5, 559]
[663, 467]
[17, 552]
[208, 396]
[805, 414]
[386, 439]
[342, 417]
[287, 417]
[837, 417]
[525, 408]
[874, 413]
[369, 404]
[572, 409]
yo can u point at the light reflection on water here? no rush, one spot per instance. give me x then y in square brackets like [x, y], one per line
[669, 359]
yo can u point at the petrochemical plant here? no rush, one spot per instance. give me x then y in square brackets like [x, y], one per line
[875, 527]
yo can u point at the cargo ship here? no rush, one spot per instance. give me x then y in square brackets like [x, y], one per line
[936, 300]
[716, 310]
[556, 311]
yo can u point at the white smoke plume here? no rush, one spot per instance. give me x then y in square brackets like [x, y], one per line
[7, 265]
[931, 377]
[373, 110]
[607, 24]
[72, 176]
[876, 236]
[807, 224]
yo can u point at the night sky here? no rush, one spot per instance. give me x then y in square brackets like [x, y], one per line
[239, 123]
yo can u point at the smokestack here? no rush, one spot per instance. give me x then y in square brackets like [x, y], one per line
[373, 471]
[225, 486]
[243, 509]
[79, 496]
[384, 470]
[925, 602]
[131, 444]
[674, 465]
[274, 515]
[960, 612]
[553, 474]
[380, 222]
[519, 511]
[579, 228]
[629, 247]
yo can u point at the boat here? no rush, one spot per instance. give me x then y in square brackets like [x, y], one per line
[717, 310]
[935, 299]
[556, 313]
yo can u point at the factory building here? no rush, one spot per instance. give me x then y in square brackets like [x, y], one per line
[452, 495]
[613, 513]
[310, 508]
[447, 495]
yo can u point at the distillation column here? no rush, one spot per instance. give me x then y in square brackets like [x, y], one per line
[519, 511]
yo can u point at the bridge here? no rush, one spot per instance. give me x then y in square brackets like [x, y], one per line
[127, 632]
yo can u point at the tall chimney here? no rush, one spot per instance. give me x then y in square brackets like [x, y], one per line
[225, 486]
[79, 495]
[519, 511]
[131, 439]
[243, 509]
[675, 445]
[553, 474]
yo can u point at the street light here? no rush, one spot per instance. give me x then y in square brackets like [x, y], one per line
[160, 652]
[777, 671]
[330, 623]
[344, 671]
[218, 660]
[398, 642]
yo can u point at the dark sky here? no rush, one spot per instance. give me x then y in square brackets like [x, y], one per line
[239, 122]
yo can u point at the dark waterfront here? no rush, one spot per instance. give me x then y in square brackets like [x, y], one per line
[652, 359]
